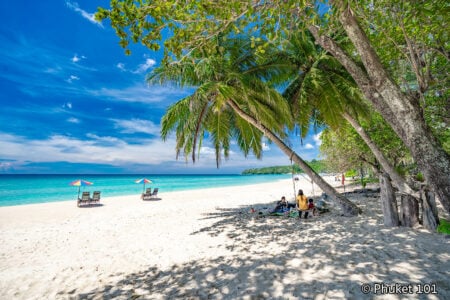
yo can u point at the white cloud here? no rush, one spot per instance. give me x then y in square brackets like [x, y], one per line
[121, 66]
[93, 149]
[54, 70]
[107, 139]
[115, 151]
[265, 147]
[68, 105]
[72, 78]
[88, 16]
[308, 146]
[136, 125]
[142, 68]
[316, 138]
[141, 93]
[73, 120]
[145, 66]
[75, 58]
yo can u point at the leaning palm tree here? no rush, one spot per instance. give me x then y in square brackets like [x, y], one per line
[322, 91]
[231, 101]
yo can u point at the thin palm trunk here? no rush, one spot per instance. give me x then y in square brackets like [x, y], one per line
[398, 181]
[348, 208]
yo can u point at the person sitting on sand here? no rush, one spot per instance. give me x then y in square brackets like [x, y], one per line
[312, 207]
[281, 206]
[302, 204]
[321, 206]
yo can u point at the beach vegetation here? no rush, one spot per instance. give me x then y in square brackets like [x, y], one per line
[320, 91]
[317, 165]
[393, 50]
[231, 100]
[444, 226]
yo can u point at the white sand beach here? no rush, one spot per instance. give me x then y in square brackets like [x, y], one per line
[205, 244]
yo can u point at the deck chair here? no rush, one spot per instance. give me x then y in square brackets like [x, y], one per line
[155, 193]
[147, 194]
[150, 196]
[85, 197]
[95, 197]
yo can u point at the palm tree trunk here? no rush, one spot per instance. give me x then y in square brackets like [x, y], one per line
[348, 208]
[397, 180]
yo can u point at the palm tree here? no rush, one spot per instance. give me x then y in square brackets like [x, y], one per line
[206, 111]
[321, 90]
[231, 101]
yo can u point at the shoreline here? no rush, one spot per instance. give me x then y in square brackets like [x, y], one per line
[130, 194]
[67, 208]
[206, 243]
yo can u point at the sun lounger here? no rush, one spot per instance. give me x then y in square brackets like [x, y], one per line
[95, 198]
[155, 193]
[85, 198]
[147, 194]
[151, 195]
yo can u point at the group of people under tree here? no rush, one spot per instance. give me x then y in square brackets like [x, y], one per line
[349, 31]
[303, 205]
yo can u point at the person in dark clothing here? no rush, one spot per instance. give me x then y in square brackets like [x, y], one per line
[281, 205]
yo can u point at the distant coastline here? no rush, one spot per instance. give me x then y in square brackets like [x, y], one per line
[317, 165]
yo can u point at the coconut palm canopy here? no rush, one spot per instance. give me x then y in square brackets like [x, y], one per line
[220, 78]
[233, 100]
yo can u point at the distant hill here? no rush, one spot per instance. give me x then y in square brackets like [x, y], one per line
[316, 165]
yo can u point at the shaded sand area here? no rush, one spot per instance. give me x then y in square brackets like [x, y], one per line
[205, 244]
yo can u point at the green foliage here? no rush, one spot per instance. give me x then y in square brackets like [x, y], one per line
[412, 45]
[419, 177]
[351, 173]
[444, 226]
[219, 79]
[193, 25]
[317, 165]
[411, 38]
[363, 183]
[386, 139]
[344, 149]
[268, 170]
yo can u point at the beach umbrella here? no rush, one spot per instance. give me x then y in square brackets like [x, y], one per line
[144, 181]
[79, 183]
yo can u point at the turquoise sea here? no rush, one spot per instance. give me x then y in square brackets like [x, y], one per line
[28, 189]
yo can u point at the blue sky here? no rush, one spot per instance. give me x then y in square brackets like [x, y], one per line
[72, 101]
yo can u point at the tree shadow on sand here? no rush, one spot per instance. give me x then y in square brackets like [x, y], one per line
[328, 257]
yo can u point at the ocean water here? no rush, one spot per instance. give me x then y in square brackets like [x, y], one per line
[28, 189]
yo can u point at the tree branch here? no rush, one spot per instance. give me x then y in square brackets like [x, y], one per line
[359, 75]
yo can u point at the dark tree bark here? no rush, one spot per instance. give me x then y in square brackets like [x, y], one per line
[388, 201]
[348, 207]
[409, 211]
[430, 219]
[400, 110]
